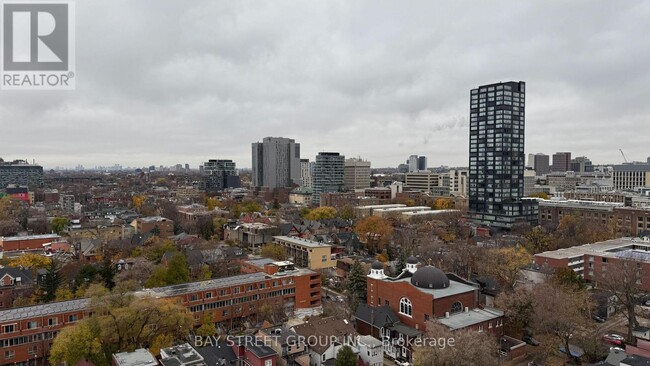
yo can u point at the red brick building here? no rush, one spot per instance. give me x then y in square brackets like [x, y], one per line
[144, 225]
[26, 333]
[32, 242]
[423, 294]
[591, 260]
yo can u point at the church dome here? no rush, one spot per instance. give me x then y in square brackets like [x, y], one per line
[430, 277]
[377, 265]
[412, 260]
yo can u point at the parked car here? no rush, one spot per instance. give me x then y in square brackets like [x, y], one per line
[530, 340]
[597, 318]
[614, 339]
[401, 362]
[616, 349]
[647, 303]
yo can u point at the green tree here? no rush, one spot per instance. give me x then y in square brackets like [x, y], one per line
[207, 327]
[59, 224]
[346, 212]
[51, 282]
[345, 357]
[175, 272]
[205, 273]
[356, 286]
[274, 251]
[565, 276]
[77, 343]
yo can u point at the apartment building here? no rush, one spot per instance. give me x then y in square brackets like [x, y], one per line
[306, 253]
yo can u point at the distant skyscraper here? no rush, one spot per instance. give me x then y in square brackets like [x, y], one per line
[305, 174]
[561, 162]
[412, 163]
[422, 163]
[541, 164]
[356, 174]
[218, 175]
[328, 174]
[496, 155]
[276, 162]
[581, 164]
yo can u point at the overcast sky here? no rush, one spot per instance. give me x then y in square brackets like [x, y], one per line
[166, 82]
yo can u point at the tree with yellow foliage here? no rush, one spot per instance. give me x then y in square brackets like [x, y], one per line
[31, 261]
[374, 232]
[504, 264]
[321, 213]
[443, 204]
[139, 200]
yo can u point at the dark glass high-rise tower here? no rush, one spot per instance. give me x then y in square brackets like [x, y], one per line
[496, 155]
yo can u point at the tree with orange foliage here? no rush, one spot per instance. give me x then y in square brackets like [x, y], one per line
[374, 232]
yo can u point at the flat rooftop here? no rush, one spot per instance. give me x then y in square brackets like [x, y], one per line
[186, 288]
[471, 317]
[30, 237]
[301, 242]
[139, 357]
[43, 309]
[597, 205]
[607, 248]
[374, 207]
[429, 212]
[404, 209]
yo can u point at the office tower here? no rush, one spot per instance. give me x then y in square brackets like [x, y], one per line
[581, 164]
[541, 164]
[561, 162]
[20, 173]
[356, 174]
[630, 176]
[422, 163]
[276, 162]
[328, 174]
[219, 175]
[412, 163]
[305, 174]
[496, 151]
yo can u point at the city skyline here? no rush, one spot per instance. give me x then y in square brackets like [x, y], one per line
[382, 81]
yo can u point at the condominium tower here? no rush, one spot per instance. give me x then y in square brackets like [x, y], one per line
[497, 160]
[276, 162]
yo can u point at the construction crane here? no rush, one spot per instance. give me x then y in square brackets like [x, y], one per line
[622, 153]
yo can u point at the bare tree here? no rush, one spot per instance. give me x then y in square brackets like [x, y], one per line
[561, 311]
[462, 347]
[622, 277]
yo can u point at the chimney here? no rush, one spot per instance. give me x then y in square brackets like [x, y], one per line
[467, 309]
[446, 314]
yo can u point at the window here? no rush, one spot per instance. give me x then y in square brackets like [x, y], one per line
[490, 325]
[268, 363]
[193, 297]
[72, 318]
[10, 354]
[456, 307]
[32, 350]
[9, 328]
[324, 258]
[208, 295]
[480, 328]
[235, 290]
[32, 325]
[405, 306]
[51, 321]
